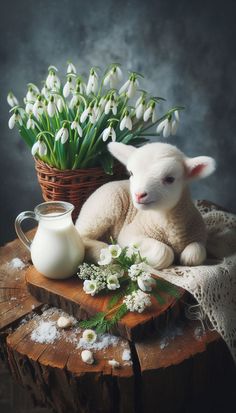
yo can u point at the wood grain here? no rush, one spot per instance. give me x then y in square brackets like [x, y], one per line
[69, 295]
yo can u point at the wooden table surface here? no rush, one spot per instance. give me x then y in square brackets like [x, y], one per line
[171, 372]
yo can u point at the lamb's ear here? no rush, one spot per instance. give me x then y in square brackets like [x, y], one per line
[199, 167]
[121, 151]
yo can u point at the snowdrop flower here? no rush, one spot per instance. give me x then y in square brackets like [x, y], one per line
[51, 108]
[60, 104]
[115, 250]
[85, 114]
[126, 123]
[30, 123]
[113, 282]
[76, 125]
[38, 107]
[40, 148]
[105, 257]
[53, 81]
[111, 105]
[130, 87]
[68, 87]
[12, 100]
[71, 68]
[113, 76]
[74, 101]
[109, 132]
[145, 282]
[139, 100]
[137, 301]
[32, 93]
[168, 127]
[92, 84]
[62, 134]
[16, 117]
[87, 357]
[102, 103]
[150, 112]
[90, 287]
[45, 92]
[29, 108]
[89, 336]
[176, 113]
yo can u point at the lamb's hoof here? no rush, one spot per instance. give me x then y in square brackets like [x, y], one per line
[193, 254]
[159, 256]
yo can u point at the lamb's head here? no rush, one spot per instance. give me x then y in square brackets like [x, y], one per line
[159, 172]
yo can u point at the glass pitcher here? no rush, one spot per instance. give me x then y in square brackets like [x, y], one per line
[57, 249]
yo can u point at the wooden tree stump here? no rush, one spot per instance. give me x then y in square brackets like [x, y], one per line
[181, 373]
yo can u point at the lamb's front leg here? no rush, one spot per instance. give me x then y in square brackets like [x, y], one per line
[193, 254]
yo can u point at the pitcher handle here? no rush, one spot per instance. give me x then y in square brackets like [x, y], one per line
[19, 231]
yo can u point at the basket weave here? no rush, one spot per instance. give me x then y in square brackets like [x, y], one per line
[73, 186]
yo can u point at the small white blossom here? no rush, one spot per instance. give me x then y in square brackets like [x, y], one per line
[30, 124]
[90, 287]
[113, 76]
[68, 87]
[85, 114]
[71, 68]
[150, 113]
[109, 132]
[115, 269]
[131, 250]
[129, 87]
[137, 301]
[53, 81]
[168, 127]
[29, 108]
[45, 92]
[12, 100]
[74, 101]
[105, 257]
[174, 126]
[139, 111]
[87, 356]
[76, 125]
[62, 134]
[92, 84]
[38, 108]
[16, 117]
[115, 250]
[89, 336]
[145, 282]
[40, 148]
[112, 282]
[176, 113]
[126, 122]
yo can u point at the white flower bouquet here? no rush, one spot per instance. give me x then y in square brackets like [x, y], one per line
[124, 274]
[67, 126]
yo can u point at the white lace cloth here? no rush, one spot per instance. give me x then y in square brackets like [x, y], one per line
[214, 285]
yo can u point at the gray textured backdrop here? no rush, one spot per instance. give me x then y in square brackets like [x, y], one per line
[186, 49]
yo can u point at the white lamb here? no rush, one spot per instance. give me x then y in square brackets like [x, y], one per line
[153, 210]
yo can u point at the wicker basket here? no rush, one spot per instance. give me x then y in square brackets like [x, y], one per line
[73, 186]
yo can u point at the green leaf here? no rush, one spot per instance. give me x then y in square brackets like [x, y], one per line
[93, 321]
[158, 297]
[115, 299]
[107, 163]
[168, 288]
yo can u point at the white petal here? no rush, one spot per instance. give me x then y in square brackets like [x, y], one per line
[128, 123]
[106, 133]
[59, 134]
[28, 124]
[12, 121]
[66, 89]
[107, 107]
[139, 111]
[147, 114]
[138, 101]
[42, 149]
[176, 113]
[154, 116]
[80, 131]
[84, 115]
[161, 125]
[124, 87]
[174, 127]
[28, 107]
[113, 135]
[65, 136]
[167, 130]
[71, 68]
[107, 79]
[119, 72]
[123, 123]
[131, 90]
[114, 109]
[95, 85]
[60, 105]
[51, 109]
[34, 148]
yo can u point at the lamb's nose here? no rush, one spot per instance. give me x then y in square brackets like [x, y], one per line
[140, 195]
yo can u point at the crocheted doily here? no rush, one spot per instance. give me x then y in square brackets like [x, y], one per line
[214, 284]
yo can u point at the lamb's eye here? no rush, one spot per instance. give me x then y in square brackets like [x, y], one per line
[130, 173]
[168, 180]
